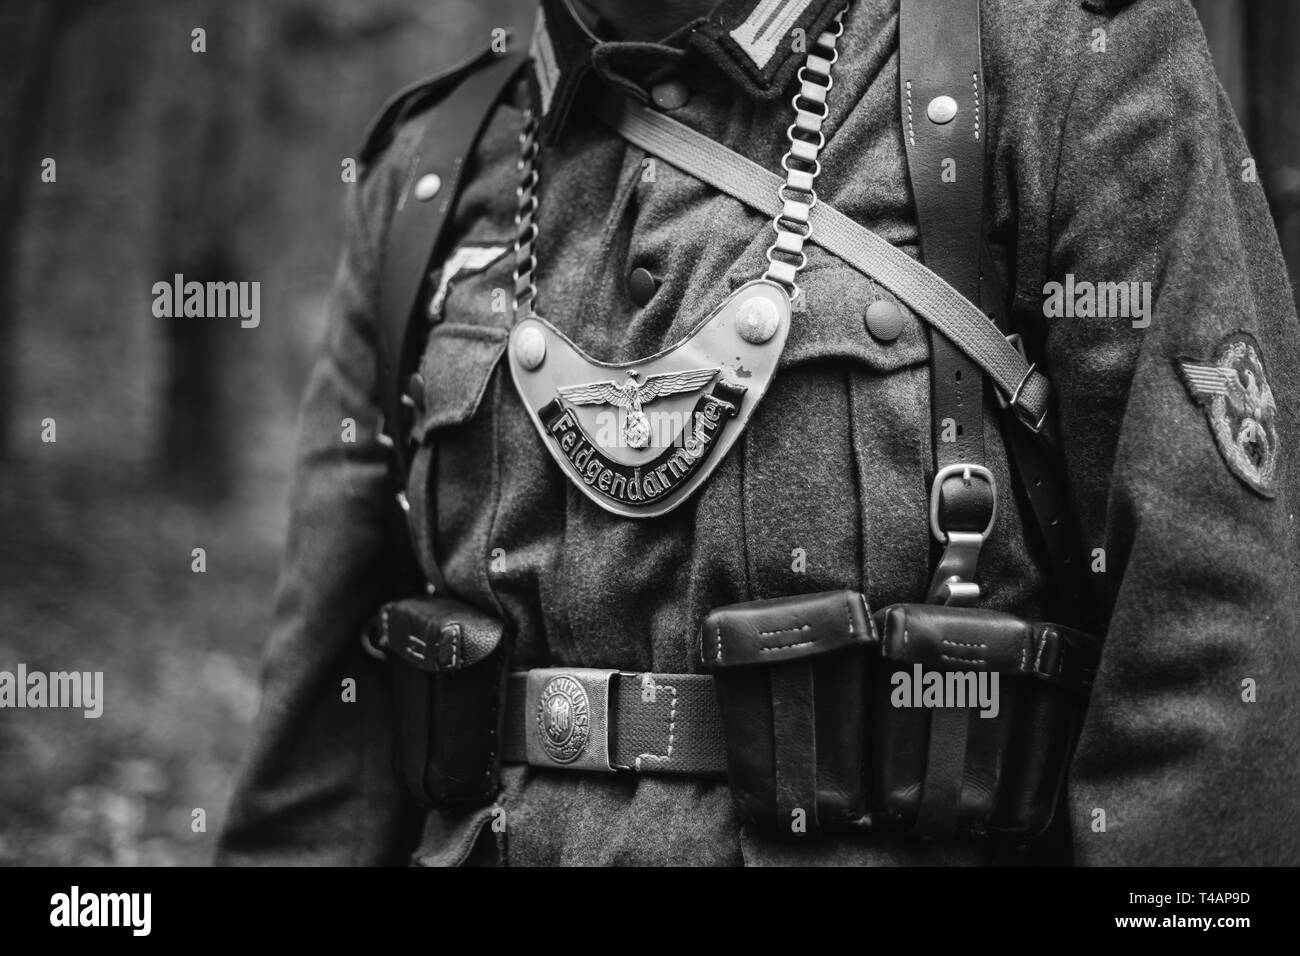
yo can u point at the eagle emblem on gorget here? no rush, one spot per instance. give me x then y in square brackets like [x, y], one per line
[632, 395]
[1240, 409]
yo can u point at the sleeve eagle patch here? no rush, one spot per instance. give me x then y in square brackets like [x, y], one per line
[1233, 389]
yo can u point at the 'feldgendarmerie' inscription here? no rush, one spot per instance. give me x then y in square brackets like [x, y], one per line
[658, 478]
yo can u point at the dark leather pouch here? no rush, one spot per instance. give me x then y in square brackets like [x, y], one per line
[449, 667]
[997, 763]
[791, 678]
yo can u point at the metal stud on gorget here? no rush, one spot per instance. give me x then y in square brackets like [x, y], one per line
[530, 348]
[757, 320]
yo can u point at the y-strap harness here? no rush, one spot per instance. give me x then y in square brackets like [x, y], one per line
[944, 120]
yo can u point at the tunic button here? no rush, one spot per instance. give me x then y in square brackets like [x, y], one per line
[642, 285]
[670, 95]
[884, 320]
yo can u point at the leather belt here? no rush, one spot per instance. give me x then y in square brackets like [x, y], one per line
[578, 718]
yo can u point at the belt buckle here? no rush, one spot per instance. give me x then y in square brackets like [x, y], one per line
[567, 718]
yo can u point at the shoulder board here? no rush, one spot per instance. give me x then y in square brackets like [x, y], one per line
[415, 98]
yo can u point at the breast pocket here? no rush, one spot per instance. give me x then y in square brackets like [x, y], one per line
[454, 488]
[456, 368]
[837, 455]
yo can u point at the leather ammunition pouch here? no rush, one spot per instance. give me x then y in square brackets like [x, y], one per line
[449, 668]
[921, 718]
[998, 763]
[791, 679]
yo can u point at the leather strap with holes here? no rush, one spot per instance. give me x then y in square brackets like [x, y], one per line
[941, 100]
[941, 103]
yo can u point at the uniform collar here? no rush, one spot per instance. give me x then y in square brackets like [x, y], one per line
[751, 41]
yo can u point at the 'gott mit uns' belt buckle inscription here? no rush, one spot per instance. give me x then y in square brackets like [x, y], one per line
[568, 713]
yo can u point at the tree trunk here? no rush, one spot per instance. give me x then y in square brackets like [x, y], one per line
[30, 47]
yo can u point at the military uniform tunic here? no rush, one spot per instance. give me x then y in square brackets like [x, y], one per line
[1114, 164]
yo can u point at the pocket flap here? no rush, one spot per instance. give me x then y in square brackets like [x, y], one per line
[974, 639]
[456, 366]
[783, 629]
[438, 634]
[955, 638]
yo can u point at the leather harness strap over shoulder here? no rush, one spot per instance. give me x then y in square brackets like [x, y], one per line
[946, 129]
[941, 99]
[447, 140]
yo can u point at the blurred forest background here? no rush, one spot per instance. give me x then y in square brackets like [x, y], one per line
[224, 165]
[177, 435]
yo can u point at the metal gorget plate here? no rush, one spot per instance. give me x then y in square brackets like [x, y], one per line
[639, 438]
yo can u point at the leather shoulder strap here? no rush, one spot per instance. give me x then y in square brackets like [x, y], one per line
[941, 104]
[449, 134]
[940, 101]
[941, 98]
[414, 99]
[945, 128]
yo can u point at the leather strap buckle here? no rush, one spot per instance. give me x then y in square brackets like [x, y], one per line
[951, 583]
[1013, 402]
[1025, 417]
[966, 471]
